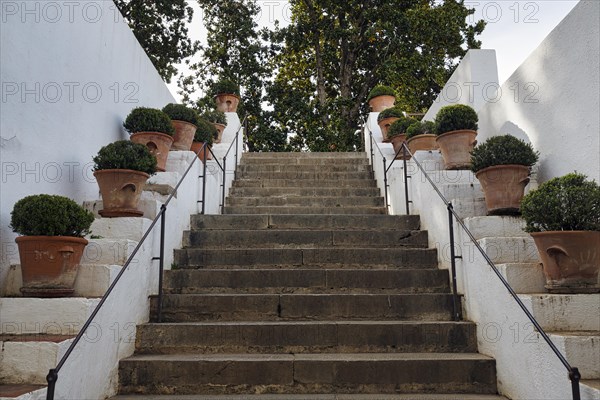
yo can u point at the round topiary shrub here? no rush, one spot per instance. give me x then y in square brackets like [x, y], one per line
[420, 128]
[143, 119]
[179, 112]
[400, 126]
[381, 90]
[225, 86]
[206, 132]
[125, 154]
[502, 150]
[394, 112]
[48, 215]
[567, 203]
[454, 118]
[216, 117]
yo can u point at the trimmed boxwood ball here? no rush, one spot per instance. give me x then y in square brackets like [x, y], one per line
[395, 112]
[399, 127]
[179, 112]
[49, 215]
[567, 203]
[381, 90]
[143, 119]
[225, 86]
[454, 118]
[125, 154]
[215, 116]
[206, 132]
[420, 128]
[502, 150]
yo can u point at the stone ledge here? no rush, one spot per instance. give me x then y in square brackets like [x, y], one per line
[504, 250]
[565, 312]
[121, 228]
[524, 277]
[496, 226]
[148, 205]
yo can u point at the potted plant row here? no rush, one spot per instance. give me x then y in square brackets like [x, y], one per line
[153, 129]
[456, 130]
[219, 120]
[52, 243]
[381, 97]
[397, 134]
[227, 95]
[420, 136]
[386, 118]
[563, 217]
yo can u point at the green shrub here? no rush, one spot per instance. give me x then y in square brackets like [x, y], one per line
[381, 90]
[125, 154]
[395, 112]
[419, 128]
[455, 117]
[206, 132]
[567, 203]
[502, 150]
[399, 127]
[142, 119]
[217, 117]
[225, 86]
[48, 215]
[179, 112]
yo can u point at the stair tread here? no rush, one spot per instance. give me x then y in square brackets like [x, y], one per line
[35, 338]
[14, 391]
[437, 396]
[301, 323]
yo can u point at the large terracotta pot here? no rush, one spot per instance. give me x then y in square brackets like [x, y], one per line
[384, 125]
[456, 148]
[204, 153]
[571, 260]
[397, 143]
[184, 135]
[503, 187]
[424, 142]
[121, 190]
[158, 143]
[220, 129]
[49, 264]
[227, 102]
[380, 103]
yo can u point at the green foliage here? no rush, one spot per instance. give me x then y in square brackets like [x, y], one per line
[225, 86]
[180, 112]
[206, 132]
[390, 112]
[419, 128]
[142, 119]
[47, 215]
[161, 28]
[502, 150]
[567, 203]
[381, 90]
[455, 117]
[124, 154]
[217, 117]
[400, 126]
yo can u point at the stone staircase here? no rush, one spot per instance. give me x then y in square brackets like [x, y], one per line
[306, 289]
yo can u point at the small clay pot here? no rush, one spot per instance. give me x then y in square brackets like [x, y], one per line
[380, 103]
[456, 148]
[227, 102]
[220, 129]
[425, 142]
[184, 135]
[204, 154]
[384, 125]
[121, 190]
[397, 143]
[503, 187]
[158, 143]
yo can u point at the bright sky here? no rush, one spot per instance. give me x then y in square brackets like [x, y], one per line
[515, 27]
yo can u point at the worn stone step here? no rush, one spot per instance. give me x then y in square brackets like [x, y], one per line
[306, 201]
[308, 373]
[305, 175]
[581, 349]
[404, 257]
[22, 392]
[285, 307]
[245, 210]
[304, 161]
[276, 238]
[305, 222]
[378, 396]
[314, 191]
[306, 281]
[284, 167]
[307, 337]
[305, 155]
[301, 183]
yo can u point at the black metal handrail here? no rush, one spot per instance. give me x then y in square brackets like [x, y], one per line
[574, 374]
[52, 376]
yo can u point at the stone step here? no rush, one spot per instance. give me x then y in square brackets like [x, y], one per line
[305, 175]
[307, 337]
[305, 222]
[582, 349]
[378, 396]
[286, 307]
[403, 257]
[496, 226]
[294, 238]
[312, 168]
[302, 183]
[590, 389]
[245, 210]
[308, 373]
[305, 156]
[565, 312]
[308, 191]
[22, 392]
[304, 161]
[305, 281]
[306, 201]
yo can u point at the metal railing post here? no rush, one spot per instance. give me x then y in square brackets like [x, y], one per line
[161, 263]
[204, 183]
[371, 146]
[51, 378]
[575, 377]
[456, 307]
[406, 199]
[385, 183]
[224, 181]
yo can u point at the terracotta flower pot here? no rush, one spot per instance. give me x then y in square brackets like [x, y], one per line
[158, 143]
[424, 142]
[121, 190]
[49, 264]
[571, 260]
[384, 125]
[204, 153]
[227, 102]
[220, 129]
[503, 187]
[456, 148]
[397, 143]
[380, 103]
[184, 135]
